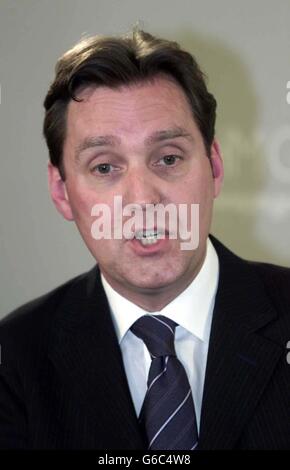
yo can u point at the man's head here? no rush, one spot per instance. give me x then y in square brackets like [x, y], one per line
[132, 117]
[114, 62]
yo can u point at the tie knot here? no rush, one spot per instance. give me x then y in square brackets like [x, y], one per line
[157, 332]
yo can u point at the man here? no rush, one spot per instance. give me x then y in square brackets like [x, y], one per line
[157, 346]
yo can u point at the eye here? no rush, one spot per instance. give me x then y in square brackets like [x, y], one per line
[170, 160]
[102, 168]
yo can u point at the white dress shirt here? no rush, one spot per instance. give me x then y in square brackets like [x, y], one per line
[192, 310]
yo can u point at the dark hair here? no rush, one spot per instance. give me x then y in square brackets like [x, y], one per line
[114, 62]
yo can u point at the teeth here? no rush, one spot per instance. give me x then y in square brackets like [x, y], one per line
[149, 237]
[148, 240]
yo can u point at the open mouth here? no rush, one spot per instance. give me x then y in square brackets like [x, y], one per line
[149, 237]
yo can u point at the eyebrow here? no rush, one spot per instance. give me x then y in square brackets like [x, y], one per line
[112, 141]
[96, 141]
[167, 134]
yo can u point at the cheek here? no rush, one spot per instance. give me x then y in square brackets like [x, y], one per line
[82, 202]
[85, 212]
[194, 190]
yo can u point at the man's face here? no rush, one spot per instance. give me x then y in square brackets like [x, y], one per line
[142, 143]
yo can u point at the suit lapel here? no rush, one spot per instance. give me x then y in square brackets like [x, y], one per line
[241, 358]
[86, 354]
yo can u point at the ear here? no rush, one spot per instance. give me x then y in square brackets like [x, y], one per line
[58, 192]
[217, 167]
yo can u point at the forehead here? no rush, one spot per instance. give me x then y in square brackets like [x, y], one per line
[130, 107]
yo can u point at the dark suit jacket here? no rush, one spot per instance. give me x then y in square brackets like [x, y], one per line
[63, 384]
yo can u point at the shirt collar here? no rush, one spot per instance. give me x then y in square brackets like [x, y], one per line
[192, 309]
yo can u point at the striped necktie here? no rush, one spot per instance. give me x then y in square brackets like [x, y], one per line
[167, 416]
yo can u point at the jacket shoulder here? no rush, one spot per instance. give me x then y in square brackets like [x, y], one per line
[31, 322]
[265, 281]
[276, 280]
[272, 272]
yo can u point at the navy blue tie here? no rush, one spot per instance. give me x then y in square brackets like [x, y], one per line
[167, 416]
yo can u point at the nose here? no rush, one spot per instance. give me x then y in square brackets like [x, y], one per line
[142, 187]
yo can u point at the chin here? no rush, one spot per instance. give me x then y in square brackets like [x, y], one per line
[157, 280]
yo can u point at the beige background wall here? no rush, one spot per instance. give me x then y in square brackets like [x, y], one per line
[243, 46]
